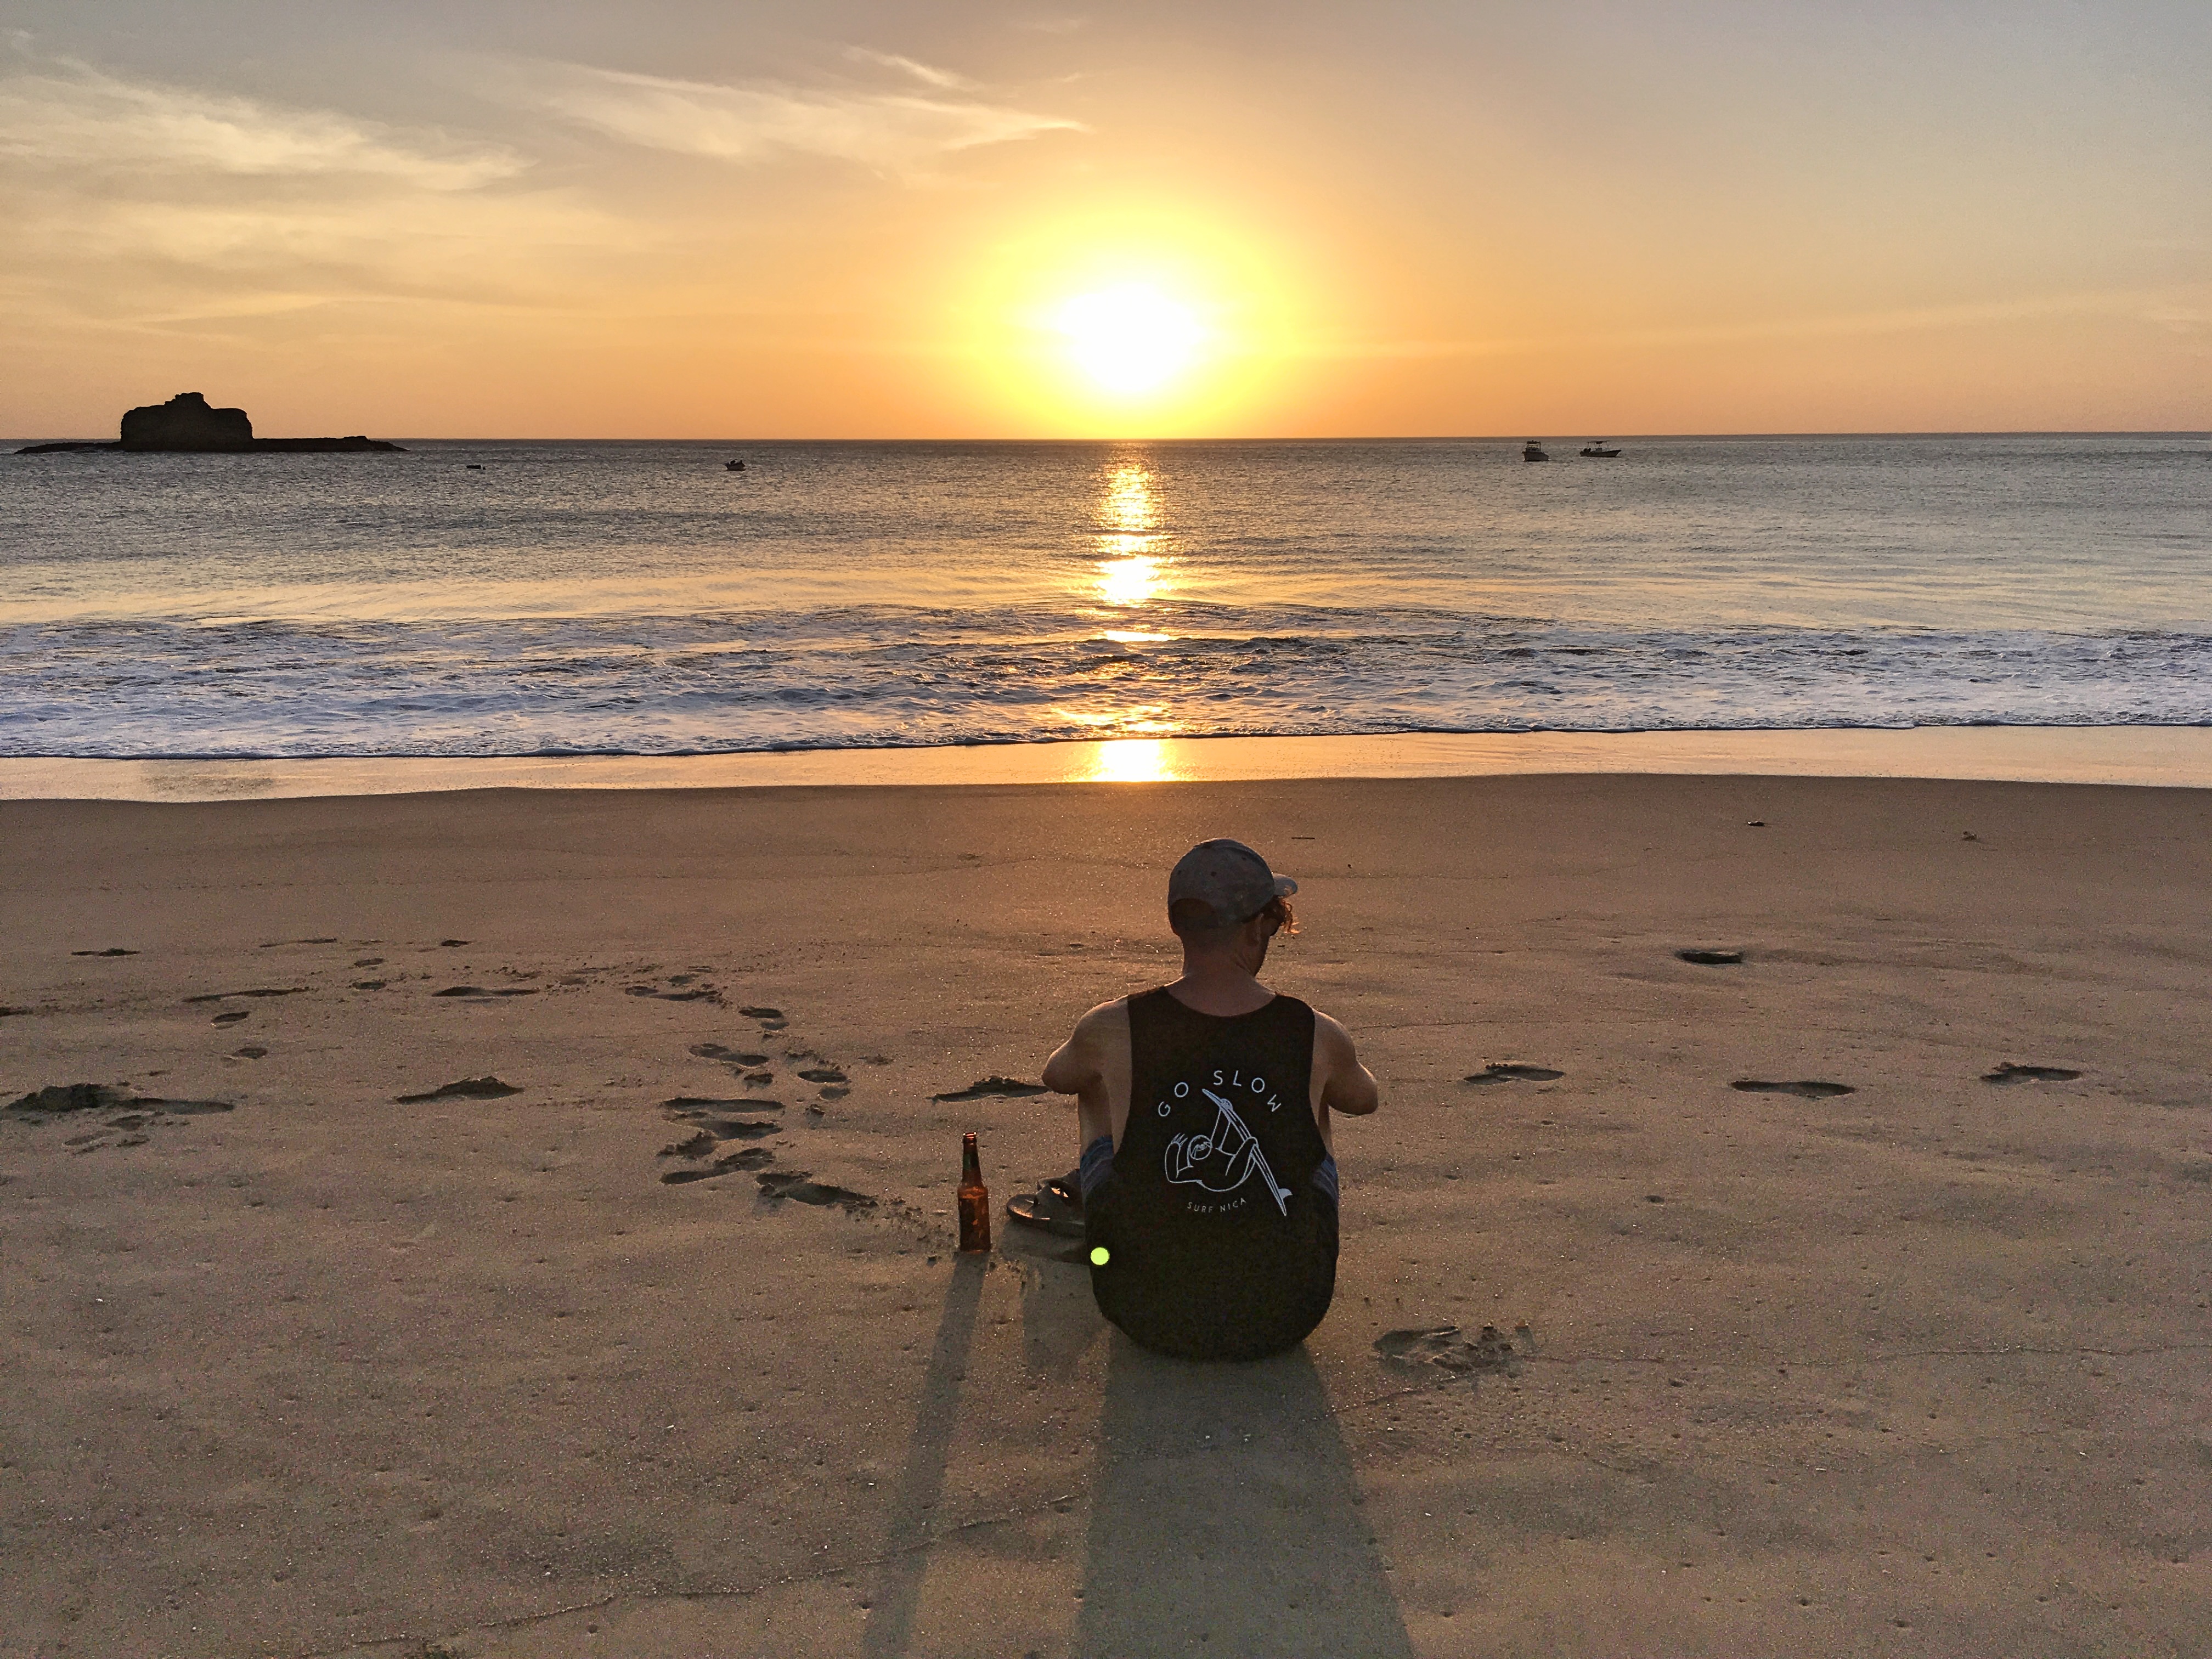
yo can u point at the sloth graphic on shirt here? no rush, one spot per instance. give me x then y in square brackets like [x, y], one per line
[1224, 1160]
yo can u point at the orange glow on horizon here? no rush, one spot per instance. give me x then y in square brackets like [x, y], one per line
[1417, 226]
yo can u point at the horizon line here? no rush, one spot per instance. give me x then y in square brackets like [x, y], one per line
[1341, 438]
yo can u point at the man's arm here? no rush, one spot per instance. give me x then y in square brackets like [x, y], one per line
[1346, 1085]
[1089, 1064]
[1074, 1065]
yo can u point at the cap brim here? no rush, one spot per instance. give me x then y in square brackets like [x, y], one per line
[1284, 887]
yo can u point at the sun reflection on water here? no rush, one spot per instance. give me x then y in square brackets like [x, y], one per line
[1130, 504]
[1130, 573]
[1129, 581]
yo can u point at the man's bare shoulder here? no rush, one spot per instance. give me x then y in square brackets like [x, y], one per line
[1346, 1085]
[1330, 1035]
[1089, 1055]
[1108, 1019]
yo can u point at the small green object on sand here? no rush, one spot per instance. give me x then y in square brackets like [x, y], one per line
[1100, 1255]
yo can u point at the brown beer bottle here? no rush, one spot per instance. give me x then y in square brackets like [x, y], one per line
[974, 1199]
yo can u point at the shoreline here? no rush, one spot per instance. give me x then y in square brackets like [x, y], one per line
[2171, 757]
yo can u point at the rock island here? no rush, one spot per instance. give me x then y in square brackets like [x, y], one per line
[187, 425]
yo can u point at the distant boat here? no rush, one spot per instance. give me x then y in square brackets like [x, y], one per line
[1533, 451]
[733, 466]
[1596, 449]
[476, 467]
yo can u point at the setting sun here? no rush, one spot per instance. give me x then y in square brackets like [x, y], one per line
[1154, 316]
[1129, 339]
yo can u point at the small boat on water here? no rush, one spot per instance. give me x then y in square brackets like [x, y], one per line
[733, 466]
[1596, 450]
[1533, 451]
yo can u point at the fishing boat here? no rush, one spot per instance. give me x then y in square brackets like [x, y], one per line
[733, 466]
[1533, 451]
[1596, 450]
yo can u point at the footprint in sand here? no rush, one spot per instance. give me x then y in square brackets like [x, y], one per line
[1509, 1070]
[752, 1157]
[230, 1019]
[679, 991]
[251, 1052]
[709, 1131]
[741, 1128]
[833, 1085]
[797, 1185]
[138, 1111]
[1712, 958]
[1443, 1347]
[1807, 1089]
[70, 1097]
[469, 1088]
[275, 944]
[987, 1087]
[702, 1112]
[730, 1056]
[258, 991]
[479, 992]
[2008, 1073]
[112, 951]
[771, 1019]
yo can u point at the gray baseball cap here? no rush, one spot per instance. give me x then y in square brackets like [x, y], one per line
[1230, 879]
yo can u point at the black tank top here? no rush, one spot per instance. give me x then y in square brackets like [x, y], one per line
[1220, 1243]
[1221, 1121]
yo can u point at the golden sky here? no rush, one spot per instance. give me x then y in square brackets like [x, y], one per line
[671, 219]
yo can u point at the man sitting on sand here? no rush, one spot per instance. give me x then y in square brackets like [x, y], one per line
[1206, 1188]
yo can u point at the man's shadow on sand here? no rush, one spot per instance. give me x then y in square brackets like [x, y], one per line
[1224, 1519]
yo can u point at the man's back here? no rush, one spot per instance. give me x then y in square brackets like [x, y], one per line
[1209, 1190]
[1218, 1218]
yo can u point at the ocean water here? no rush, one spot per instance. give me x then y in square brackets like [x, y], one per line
[550, 599]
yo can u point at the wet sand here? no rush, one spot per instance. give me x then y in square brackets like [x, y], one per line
[2150, 754]
[1904, 1350]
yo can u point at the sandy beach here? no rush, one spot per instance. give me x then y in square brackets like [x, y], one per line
[1819, 1326]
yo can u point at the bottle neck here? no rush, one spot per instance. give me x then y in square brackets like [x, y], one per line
[971, 1163]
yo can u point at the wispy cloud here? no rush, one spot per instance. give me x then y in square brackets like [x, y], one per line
[72, 116]
[133, 204]
[927, 74]
[894, 132]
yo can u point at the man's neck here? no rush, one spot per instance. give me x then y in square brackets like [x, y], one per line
[1219, 984]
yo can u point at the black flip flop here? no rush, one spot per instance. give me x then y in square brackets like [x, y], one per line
[1043, 1209]
[1068, 1189]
